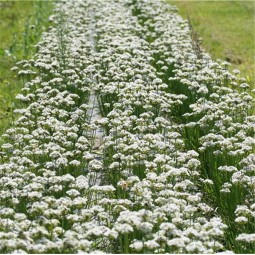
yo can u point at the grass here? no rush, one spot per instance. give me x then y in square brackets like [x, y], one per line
[21, 25]
[227, 29]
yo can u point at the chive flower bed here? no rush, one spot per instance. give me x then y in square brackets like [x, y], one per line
[130, 139]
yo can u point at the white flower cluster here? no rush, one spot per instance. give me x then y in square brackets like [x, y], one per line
[217, 116]
[48, 201]
[127, 141]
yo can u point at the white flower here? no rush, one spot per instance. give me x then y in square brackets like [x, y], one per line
[136, 245]
[7, 212]
[244, 85]
[177, 242]
[7, 146]
[195, 247]
[95, 165]
[67, 178]
[20, 217]
[123, 228]
[146, 227]
[151, 244]
[73, 193]
[60, 162]
[248, 238]
[73, 218]
[229, 169]
[242, 210]
[241, 220]
[74, 163]
[203, 90]
[104, 189]
[34, 194]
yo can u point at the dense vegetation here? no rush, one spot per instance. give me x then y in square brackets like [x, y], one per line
[129, 139]
[21, 26]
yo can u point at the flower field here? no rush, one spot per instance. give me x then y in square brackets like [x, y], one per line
[129, 139]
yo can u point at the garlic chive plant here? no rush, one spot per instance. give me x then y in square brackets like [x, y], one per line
[130, 139]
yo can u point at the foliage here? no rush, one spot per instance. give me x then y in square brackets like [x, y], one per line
[21, 25]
